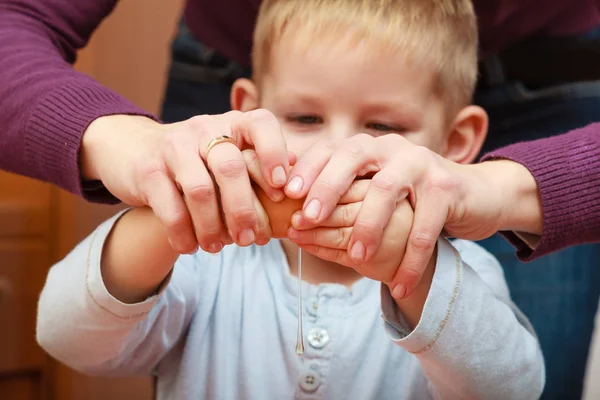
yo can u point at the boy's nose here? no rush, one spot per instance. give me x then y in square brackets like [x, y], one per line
[341, 131]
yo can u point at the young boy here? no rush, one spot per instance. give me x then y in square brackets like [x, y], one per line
[224, 325]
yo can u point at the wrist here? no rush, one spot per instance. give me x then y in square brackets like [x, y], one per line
[103, 136]
[412, 305]
[521, 205]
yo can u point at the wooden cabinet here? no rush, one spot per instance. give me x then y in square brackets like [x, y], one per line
[22, 273]
[25, 254]
[40, 224]
[21, 387]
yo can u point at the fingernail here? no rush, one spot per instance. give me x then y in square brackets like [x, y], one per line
[313, 209]
[358, 251]
[246, 237]
[278, 176]
[398, 292]
[295, 185]
[194, 251]
[297, 220]
[215, 247]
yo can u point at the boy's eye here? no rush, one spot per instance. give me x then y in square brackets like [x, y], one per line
[376, 126]
[305, 119]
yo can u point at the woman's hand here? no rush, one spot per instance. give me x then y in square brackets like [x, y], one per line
[467, 201]
[330, 240]
[167, 168]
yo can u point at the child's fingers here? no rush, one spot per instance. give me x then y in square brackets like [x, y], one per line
[334, 255]
[333, 238]
[343, 215]
[356, 192]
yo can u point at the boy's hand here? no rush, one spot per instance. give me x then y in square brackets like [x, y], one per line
[330, 240]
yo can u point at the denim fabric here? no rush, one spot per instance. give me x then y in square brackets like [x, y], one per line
[200, 79]
[559, 293]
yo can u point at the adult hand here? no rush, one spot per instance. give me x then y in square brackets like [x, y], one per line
[167, 168]
[468, 201]
[330, 240]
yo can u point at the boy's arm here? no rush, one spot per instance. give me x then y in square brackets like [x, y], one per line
[127, 323]
[137, 257]
[471, 340]
[411, 307]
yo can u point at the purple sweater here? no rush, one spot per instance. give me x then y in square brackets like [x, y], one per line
[45, 105]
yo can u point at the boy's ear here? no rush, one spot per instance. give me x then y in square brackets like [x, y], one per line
[467, 135]
[244, 95]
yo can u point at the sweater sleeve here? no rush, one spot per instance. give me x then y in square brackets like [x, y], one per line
[82, 325]
[567, 171]
[45, 105]
[471, 341]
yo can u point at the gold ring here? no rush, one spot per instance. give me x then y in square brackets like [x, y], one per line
[219, 140]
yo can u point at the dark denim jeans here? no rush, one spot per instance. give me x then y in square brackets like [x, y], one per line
[199, 79]
[559, 292]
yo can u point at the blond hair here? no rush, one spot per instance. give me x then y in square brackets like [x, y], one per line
[440, 33]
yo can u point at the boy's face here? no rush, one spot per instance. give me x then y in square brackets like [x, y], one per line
[334, 90]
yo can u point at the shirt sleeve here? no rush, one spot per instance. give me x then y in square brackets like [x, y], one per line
[567, 170]
[45, 105]
[471, 341]
[82, 325]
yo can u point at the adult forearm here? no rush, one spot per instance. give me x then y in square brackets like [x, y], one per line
[521, 205]
[566, 169]
[45, 104]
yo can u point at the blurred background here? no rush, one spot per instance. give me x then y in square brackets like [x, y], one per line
[40, 224]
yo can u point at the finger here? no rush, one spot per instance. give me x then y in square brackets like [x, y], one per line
[227, 164]
[334, 255]
[167, 204]
[384, 193]
[333, 238]
[261, 129]
[343, 215]
[356, 192]
[200, 196]
[430, 216]
[307, 168]
[292, 157]
[252, 163]
[264, 233]
[335, 179]
[201, 130]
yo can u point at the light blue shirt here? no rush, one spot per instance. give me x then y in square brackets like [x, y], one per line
[224, 327]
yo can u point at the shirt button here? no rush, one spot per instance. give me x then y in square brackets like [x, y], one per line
[312, 305]
[309, 381]
[318, 337]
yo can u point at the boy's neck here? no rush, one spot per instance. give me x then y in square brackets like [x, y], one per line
[315, 270]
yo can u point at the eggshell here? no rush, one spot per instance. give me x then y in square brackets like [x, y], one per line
[279, 213]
